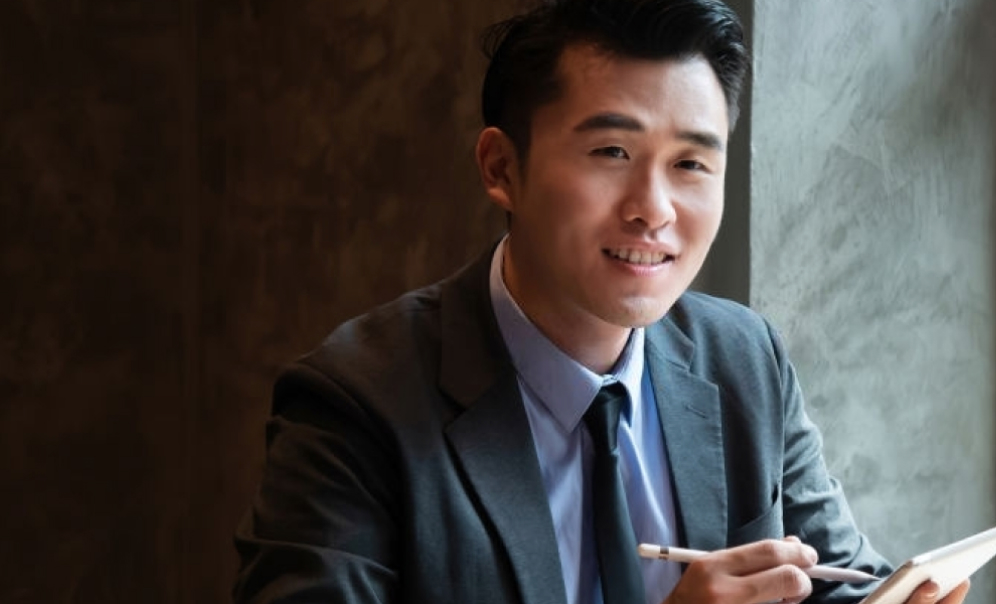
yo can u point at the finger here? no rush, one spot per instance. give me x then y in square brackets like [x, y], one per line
[781, 584]
[957, 594]
[763, 555]
[706, 581]
[926, 593]
[794, 539]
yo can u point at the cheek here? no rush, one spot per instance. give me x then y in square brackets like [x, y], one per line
[699, 224]
[706, 209]
[567, 203]
[711, 218]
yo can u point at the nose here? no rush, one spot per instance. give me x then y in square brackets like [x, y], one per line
[650, 202]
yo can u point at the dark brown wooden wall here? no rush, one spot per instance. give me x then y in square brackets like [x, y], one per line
[191, 194]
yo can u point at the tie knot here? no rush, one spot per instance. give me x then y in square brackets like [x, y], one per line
[602, 417]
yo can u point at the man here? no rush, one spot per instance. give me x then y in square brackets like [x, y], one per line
[510, 434]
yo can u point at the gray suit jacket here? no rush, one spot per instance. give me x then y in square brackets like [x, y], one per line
[401, 466]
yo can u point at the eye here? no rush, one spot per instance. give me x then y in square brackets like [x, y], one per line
[613, 152]
[690, 164]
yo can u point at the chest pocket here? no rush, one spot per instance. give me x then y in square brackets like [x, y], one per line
[767, 525]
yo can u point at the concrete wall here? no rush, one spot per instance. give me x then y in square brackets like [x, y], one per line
[872, 201]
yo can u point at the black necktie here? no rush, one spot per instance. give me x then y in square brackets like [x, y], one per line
[618, 562]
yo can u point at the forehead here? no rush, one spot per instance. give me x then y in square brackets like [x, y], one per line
[595, 81]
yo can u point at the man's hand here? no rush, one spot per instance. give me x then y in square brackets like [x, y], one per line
[766, 571]
[927, 594]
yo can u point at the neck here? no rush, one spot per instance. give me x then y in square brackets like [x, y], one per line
[594, 343]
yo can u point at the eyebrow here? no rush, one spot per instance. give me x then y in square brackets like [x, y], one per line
[616, 121]
[609, 121]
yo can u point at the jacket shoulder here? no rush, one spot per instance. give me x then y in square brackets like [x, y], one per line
[725, 335]
[701, 316]
[395, 336]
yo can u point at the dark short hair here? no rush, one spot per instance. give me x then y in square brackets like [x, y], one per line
[525, 50]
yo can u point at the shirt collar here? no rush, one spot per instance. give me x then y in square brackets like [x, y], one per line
[564, 386]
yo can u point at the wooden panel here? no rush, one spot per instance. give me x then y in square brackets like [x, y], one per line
[338, 171]
[191, 194]
[91, 413]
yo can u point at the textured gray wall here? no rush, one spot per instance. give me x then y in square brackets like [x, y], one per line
[872, 200]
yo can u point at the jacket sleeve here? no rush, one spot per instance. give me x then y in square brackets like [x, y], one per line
[814, 506]
[323, 525]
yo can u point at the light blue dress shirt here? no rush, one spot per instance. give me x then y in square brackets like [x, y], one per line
[556, 391]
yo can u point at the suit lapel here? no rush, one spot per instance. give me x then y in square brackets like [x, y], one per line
[491, 438]
[494, 445]
[691, 420]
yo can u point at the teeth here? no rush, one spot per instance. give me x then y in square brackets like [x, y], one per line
[639, 257]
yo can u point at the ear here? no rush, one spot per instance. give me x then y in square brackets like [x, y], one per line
[499, 167]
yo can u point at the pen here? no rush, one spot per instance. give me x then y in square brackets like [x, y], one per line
[827, 573]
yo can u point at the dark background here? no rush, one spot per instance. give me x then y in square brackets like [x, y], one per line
[192, 194]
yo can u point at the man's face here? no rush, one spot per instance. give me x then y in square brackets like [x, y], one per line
[621, 194]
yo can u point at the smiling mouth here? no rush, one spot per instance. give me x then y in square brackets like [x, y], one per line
[640, 257]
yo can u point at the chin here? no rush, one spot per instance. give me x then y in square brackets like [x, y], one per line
[640, 312]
